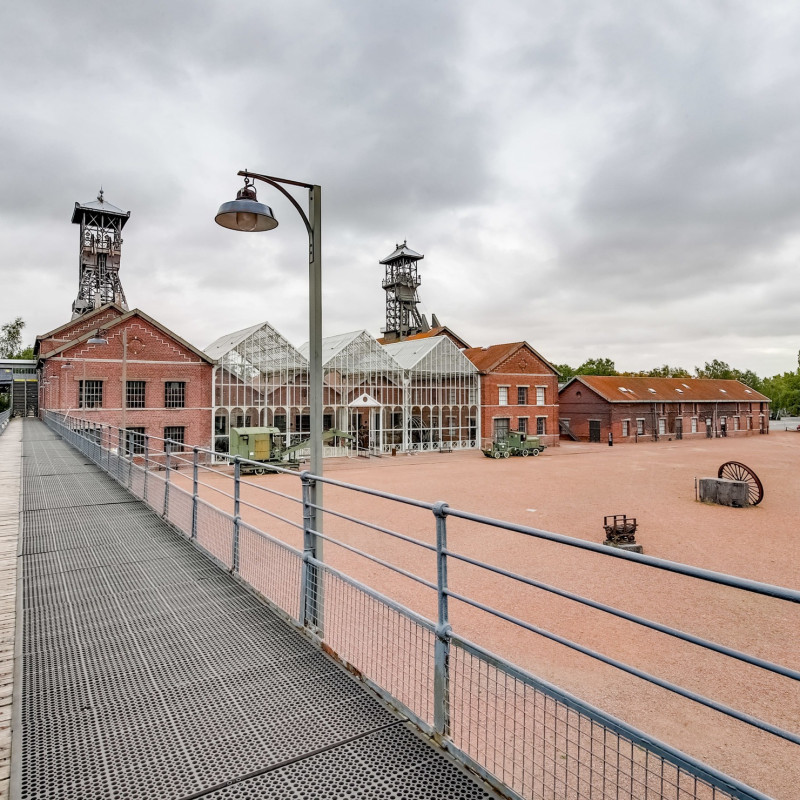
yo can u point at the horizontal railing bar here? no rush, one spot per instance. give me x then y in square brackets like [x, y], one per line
[643, 621]
[374, 492]
[376, 560]
[616, 725]
[422, 621]
[272, 514]
[767, 589]
[612, 662]
[372, 526]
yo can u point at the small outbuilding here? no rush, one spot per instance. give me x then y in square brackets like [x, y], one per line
[593, 407]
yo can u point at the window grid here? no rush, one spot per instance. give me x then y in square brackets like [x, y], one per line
[134, 441]
[540, 395]
[522, 395]
[541, 426]
[176, 434]
[174, 394]
[134, 394]
[522, 424]
[90, 394]
[502, 399]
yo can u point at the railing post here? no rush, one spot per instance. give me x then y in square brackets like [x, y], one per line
[166, 478]
[309, 574]
[441, 654]
[146, 465]
[237, 475]
[195, 453]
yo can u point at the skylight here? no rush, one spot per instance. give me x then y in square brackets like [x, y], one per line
[623, 389]
[652, 390]
[679, 390]
[685, 385]
[724, 391]
[747, 391]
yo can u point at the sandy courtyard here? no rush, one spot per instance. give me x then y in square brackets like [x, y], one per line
[568, 490]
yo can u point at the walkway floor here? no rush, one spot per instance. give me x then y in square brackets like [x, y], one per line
[148, 672]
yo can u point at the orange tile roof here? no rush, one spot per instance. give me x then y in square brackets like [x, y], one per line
[487, 358]
[622, 389]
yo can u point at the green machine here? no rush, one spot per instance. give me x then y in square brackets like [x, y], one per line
[261, 444]
[268, 446]
[515, 443]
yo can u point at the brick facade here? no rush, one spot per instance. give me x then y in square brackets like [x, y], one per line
[660, 408]
[139, 349]
[519, 390]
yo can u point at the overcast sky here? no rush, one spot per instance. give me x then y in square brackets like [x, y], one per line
[602, 179]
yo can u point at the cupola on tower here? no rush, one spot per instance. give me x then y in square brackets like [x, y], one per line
[100, 251]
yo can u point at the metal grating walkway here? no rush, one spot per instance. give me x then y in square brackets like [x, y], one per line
[148, 672]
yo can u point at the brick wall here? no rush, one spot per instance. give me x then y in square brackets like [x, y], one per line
[581, 406]
[523, 369]
[152, 357]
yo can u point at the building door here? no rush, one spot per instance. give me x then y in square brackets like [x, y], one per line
[594, 430]
[678, 428]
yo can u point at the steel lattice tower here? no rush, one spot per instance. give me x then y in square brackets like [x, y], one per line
[400, 284]
[100, 251]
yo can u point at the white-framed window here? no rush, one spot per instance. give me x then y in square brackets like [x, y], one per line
[694, 424]
[540, 395]
[640, 426]
[541, 426]
[662, 425]
[502, 399]
[522, 424]
[625, 424]
[736, 423]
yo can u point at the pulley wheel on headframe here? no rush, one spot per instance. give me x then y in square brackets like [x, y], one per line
[734, 471]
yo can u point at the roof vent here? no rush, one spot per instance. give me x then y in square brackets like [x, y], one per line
[679, 390]
[724, 391]
[686, 386]
[747, 391]
[623, 389]
[652, 390]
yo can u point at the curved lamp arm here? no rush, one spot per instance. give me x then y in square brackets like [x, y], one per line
[276, 182]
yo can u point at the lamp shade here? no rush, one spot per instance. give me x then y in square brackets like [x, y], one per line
[245, 213]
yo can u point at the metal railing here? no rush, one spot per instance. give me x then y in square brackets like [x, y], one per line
[4, 418]
[413, 642]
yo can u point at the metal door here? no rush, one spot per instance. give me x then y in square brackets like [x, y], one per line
[594, 430]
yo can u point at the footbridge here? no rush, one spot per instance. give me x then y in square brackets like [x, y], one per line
[175, 638]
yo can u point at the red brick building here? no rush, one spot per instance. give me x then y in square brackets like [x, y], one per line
[519, 391]
[145, 378]
[631, 408]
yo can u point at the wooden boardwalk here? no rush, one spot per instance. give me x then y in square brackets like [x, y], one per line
[10, 477]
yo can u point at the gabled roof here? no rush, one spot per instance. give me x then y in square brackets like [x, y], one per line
[402, 251]
[115, 323]
[441, 330]
[227, 342]
[80, 320]
[365, 352]
[489, 358]
[622, 389]
[412, 355]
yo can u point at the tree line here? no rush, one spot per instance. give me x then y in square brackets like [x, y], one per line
[11, 340]
[783, 390]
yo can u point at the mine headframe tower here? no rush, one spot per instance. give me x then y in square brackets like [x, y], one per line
[403, 318]
[99, 255]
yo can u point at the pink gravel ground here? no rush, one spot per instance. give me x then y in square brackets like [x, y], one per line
[568, 490]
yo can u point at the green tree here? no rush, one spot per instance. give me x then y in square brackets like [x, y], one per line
[564, 370]
[597, 366]
[11, 340]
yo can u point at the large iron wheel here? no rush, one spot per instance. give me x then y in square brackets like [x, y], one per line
[735, 471]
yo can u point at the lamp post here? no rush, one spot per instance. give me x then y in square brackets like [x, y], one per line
[245, 213]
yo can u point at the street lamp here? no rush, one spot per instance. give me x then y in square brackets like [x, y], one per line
[245, 213]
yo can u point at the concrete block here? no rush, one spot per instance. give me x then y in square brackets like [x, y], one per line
[723, 492]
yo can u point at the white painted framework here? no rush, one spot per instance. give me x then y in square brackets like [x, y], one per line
[406, 396]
